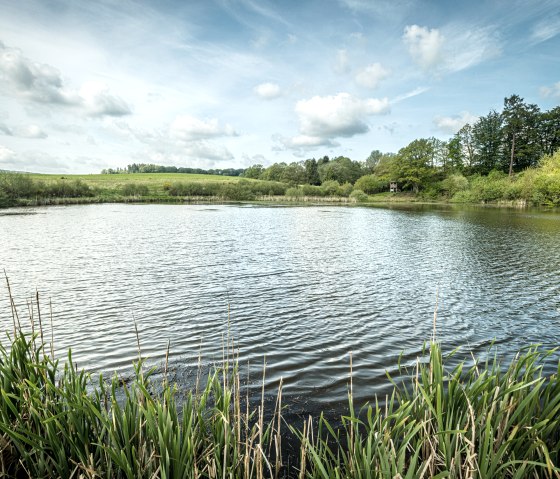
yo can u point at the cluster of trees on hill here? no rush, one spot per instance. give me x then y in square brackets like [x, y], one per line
[151, 168]
[509, 141]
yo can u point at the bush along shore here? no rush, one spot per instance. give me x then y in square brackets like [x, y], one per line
[488, 420]
[534, 186]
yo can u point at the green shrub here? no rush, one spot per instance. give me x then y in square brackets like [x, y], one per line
[371, 184]
[17, 185]
[345, 189]
[312, 190]
[453, 184]
[294, 192]
[359, 196]
[134, 189]
[331, 188]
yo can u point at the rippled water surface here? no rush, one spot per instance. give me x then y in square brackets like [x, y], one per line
[305, 286]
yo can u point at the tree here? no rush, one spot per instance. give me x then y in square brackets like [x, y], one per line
[294, 174]
[520, 134]
[341, 169]
[455, 154]
[487, 143]
[312, 172]
[254, 172]
[549, 131]
[372, 161]
[466, 142]
[274, 172]
[413, 164]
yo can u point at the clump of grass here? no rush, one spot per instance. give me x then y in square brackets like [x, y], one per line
[57, 421]
[485, 421]
[481, 421]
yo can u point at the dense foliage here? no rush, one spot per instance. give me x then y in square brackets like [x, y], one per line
[510, 141]
[152, 168]
[484, 421]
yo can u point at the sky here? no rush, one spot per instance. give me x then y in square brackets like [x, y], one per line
[87, 85]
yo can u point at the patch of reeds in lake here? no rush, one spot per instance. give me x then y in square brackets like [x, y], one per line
[483, 421]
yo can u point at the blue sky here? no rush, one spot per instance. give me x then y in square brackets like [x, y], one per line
[230, 83]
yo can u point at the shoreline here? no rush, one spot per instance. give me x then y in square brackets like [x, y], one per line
[275, 201]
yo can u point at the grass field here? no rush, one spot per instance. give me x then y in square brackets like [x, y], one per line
[154, 181]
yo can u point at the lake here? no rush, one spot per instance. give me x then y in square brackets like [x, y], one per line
[304, 286]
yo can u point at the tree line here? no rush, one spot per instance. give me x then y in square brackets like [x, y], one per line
[508, 141]
[152, 168]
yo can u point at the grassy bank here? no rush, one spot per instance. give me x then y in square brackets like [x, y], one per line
[538, 186]
[484, 421]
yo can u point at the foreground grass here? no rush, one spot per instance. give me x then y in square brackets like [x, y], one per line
[484, 421]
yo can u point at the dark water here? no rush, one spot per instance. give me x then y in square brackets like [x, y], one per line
[306, 286]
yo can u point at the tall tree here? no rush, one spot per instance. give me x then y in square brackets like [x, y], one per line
[549, 131]
[372, 161]
[487, 143]
[312, 172]
[413, 164]
[521, 137]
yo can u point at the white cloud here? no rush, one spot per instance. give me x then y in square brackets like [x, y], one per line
[268, 91]
[424, 45]
[305, 142]
[341, 115]
[38, 82]
[42, 83]
[189, 128]
[5, 130]
[546, 29]
[460, 48]
[551, 91]
[467, 48]
[322, 119]
[99, 101]
[417, 91]
[452, 124]
[197, 153]
[372, 75]
[208, 151]
[31, 161]
[29, 131]
[6, 155]
[342, 62]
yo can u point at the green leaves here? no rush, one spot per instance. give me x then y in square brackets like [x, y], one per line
[486, 421]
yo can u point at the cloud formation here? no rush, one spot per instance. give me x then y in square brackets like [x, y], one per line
[546, 29]
[189, 128]
[42, 83]
[551, 91]
[459, 49]
[6, 156]
[424, 45]
[28, 131]
[342, 62]
[452, 124]
[98, 100]
[322, 119]
[340, 115]
[268, 91]
[372, 75]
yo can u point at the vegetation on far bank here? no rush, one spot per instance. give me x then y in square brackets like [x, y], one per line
[535, 186]
[486, 421]
[508, 156]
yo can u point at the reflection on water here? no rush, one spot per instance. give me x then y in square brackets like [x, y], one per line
[305, 285]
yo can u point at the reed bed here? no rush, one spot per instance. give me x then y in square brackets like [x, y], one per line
[486, 420]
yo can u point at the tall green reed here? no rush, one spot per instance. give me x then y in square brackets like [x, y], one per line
[479, 420]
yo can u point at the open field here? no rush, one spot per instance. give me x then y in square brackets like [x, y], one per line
[154, 181]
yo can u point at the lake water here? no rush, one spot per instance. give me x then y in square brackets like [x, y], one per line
[305, 286]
